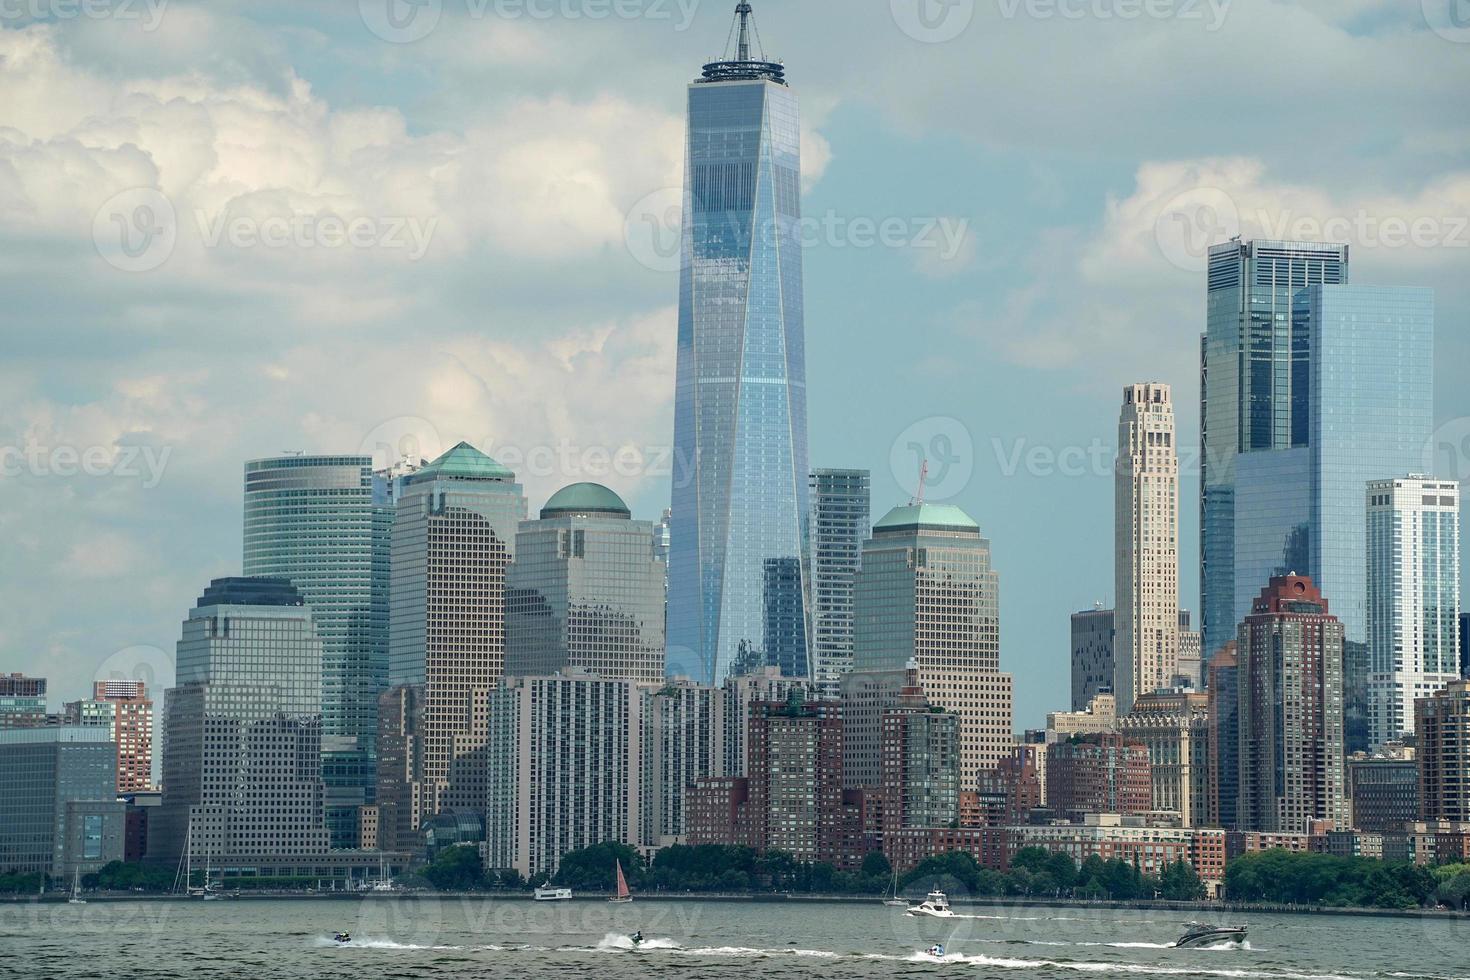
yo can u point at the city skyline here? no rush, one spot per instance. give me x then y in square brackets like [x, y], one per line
[198, 486]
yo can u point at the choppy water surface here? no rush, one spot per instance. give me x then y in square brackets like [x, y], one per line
[510, 938]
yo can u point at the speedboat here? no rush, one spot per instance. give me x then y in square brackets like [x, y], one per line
[1197, 934]
[548, 894]
[935, 904]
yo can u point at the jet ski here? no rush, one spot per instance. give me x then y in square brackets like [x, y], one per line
[1197, 934]
[936, 950]
[342, 937]
[637, 938]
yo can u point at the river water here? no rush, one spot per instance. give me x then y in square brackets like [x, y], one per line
[451, 938]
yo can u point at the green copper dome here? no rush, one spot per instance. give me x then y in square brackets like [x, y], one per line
[945, 517]
[463, 462]
[585, 498]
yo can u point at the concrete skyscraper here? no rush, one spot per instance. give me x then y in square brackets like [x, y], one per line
[840, 523]
[740, 417]
[586, 590]
[1252, 380]
[1413, 598]
[454, 534]
[323, 522]
[1146, 531]
[1290, 700]
[927, 593]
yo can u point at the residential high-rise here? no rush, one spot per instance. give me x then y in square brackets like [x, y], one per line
[840, 523]
[1413, 598]
[22, 701]
[126, 711]
[242, 730]
[59, 811]
[1251, 380]
[687, 723]
[565, 768]
[586, 591]
[323, 522]
[1174, 727]
[1146, 534]
[740, 417]
[1223, 693]
[1442, 734]
[454, 536]
[1093, 636]
[795, 780]
[920, 772]
[1362, 409]
[866, 696]
[927, 593]
[741, 694]
[1098, 774]
[1465, 645]
[1290, 711]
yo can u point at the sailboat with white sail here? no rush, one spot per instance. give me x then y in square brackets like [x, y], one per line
[76, 888]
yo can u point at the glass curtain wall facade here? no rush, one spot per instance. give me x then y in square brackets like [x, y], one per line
[1249, 381]
[840, 523]
[324, 523]
[740, 418]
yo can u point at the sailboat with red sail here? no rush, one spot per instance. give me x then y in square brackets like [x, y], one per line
[623, 894]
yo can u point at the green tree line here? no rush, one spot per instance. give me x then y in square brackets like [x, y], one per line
[1287, 878]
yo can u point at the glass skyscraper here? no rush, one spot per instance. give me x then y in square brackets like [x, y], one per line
[1363, 410]
[840, 523]
[740, 431]
[324, 523]
[1251, 380]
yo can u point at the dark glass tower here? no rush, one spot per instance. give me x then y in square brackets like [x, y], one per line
[740, 436]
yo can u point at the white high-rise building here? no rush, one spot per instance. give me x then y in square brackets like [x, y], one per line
[1413, 598]
[1146, 528]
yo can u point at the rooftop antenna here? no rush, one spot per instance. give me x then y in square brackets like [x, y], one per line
[742, 46]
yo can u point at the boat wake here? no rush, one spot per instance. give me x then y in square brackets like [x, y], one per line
[328, 941]
[618, 941]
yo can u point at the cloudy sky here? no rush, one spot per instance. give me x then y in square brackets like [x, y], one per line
[232, 228]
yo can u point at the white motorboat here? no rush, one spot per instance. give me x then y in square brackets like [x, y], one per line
[546, 893]
[935, 905]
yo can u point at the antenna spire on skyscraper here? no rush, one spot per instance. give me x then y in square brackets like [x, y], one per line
[743, 63]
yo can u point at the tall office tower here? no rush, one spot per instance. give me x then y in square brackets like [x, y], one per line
[126, 711]
[1223, 692]
[1442, 729]
[242, 730]
[1383, 793]
[400, 761]
[1361, 409]
[686, 739]
[324, 522]
[585, 591]
[1465, 645]
[1093, 635]
[1413, 598]
[1190, 671]
[926, 592]
[740, 429]
[795, 781]
[840, 523]
[1098, 774]
[59, 811]
[454, 531]
[1174, 727]
[920, 772]
[1290, 721]
[1251, 378]
[1146, 533]
[22, 701]
[566, 768]
[784, 599]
